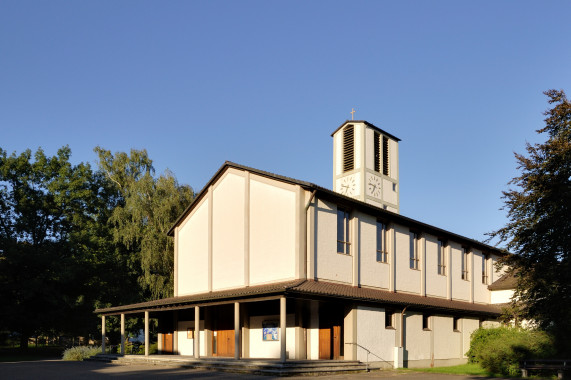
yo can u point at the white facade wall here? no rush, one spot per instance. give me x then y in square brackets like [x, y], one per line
[185, 345]
[447, 342]
[272, 232]
[407, 279]
[270, 349]
[481, 292]
[330, 265]
[460, 287]
[193, 252]
[371, 272]
[436, 284]
[372, 335]
[469, 325]
[501, 296]
[417, 341]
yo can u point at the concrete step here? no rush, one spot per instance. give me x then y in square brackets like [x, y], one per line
[254, 366]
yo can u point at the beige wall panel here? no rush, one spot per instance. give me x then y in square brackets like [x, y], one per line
[271, 349]
[481, 292]
[338, 151]
[388, 194]
[417, 341]
[228, 233]
[369, 149]
[469, 325]
[372, 272]
[393, 160]
[435, 283]
[193, 252]
[460, 287]
[372, 334]
[330, 264]
[408, 280]
[272, 233]
[447, 342]
[359, 146]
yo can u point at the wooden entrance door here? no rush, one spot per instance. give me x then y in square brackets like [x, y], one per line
[223, 343]
[167, 343]
[330, 335]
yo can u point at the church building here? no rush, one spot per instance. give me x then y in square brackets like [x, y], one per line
[267, 266]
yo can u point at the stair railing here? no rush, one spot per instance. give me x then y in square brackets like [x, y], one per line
[369, 352]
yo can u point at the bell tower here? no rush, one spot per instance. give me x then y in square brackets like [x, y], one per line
[365, 164]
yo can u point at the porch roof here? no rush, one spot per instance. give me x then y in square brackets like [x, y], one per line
[309, 289]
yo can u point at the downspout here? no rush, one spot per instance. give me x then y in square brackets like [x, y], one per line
[306, 234]
[402, 326]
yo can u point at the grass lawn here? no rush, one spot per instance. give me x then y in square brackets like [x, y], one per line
[463, 369]
[33, 353]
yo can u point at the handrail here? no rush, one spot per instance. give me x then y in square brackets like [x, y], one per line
[372, 353]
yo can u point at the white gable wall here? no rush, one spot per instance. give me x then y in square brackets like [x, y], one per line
[243, 232]
[228, 232]
[193, 252]
[272, 231]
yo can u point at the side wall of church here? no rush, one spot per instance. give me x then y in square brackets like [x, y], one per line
[362, 266]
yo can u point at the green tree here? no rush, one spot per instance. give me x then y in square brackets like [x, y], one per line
[48, 212]
[539, 224]
[147, 208]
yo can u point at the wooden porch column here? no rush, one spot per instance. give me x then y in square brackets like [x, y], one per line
[236, 330]
[123, 334]
[283, 329]
[196, 332]
[146, 333]
[102, 334]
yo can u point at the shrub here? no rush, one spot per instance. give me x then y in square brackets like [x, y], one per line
[78, 353]
[499, 350]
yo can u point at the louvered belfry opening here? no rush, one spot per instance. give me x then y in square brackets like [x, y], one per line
[385, 156]
[377, 141]
[348, 148]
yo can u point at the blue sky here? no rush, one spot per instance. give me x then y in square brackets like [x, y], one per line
[264, 83]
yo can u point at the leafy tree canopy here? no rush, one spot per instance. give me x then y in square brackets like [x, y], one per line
[538, 231]
[147, 209]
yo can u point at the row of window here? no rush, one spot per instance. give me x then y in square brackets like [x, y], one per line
[426, 321]
[382, 254]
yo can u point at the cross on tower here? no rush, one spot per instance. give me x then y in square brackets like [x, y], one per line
[352, 113]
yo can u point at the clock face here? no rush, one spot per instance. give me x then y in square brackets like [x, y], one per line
[347, 186]
[373, 186]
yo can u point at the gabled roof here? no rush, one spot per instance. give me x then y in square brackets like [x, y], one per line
[311, 289]
[368, 125]
[506, 282]
[348, 202]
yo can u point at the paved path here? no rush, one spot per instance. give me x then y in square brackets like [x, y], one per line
[58, 369]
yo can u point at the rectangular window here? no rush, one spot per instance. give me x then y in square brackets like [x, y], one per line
[377, 144]
[442, 257]
[456, 324]
[389, 319]
[385, 156]
[485, 261]
[382, 252]
[465, 263]
[425, 322]
[414, 245]
[343, 237]
[348, 148]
